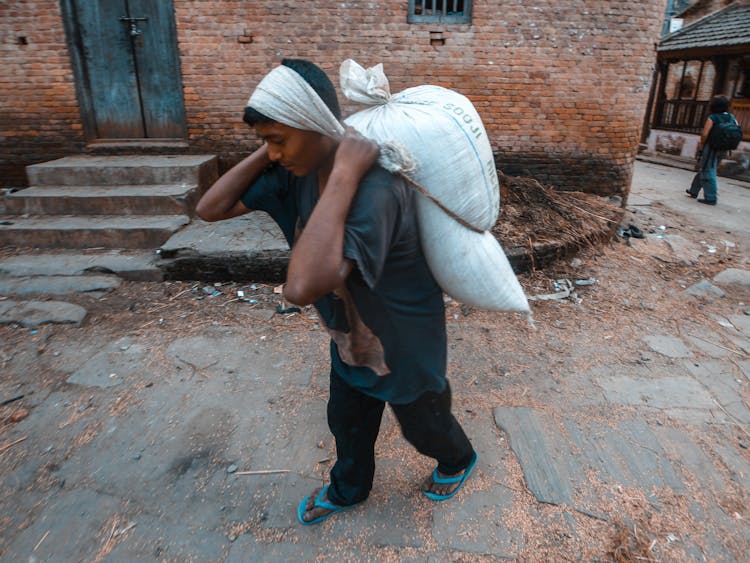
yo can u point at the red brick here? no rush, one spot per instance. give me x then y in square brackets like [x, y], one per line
[555, 65]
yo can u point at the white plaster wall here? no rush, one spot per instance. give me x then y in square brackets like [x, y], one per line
[658, 138]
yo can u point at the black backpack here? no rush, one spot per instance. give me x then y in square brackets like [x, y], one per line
[725, 136]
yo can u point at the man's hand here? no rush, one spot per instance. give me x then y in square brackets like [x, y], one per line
[355, 155]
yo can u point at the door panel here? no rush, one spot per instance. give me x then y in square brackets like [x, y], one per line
[158, 69]
[128, 79]
[110, 69]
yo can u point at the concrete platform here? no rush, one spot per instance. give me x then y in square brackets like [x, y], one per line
[250, 247]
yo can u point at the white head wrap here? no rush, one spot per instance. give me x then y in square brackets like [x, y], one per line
[284, 96]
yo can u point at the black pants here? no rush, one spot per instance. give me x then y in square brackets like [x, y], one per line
[354, 419]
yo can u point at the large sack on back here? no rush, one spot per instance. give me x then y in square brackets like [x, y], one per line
[471, 267]
[443, 132]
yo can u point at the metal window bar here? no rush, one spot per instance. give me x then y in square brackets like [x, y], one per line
[439, 11]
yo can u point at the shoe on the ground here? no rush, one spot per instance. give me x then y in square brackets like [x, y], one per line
[635, 232]
[688, 192]
[460, 479]
[320, 503]
[707, 201]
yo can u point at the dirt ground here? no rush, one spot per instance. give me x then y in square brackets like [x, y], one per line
[637, 291]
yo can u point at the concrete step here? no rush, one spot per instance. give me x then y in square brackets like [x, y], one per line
[86, 170]
[170, 199]
[93, 231]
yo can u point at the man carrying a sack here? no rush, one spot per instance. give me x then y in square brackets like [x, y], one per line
[356, 256]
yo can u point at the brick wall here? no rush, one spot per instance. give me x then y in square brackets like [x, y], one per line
[561, 85]
[38, 109]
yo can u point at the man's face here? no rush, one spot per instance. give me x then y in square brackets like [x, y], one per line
[300, 152]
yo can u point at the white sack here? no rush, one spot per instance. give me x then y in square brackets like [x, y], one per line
[471, 267]
[444, 134]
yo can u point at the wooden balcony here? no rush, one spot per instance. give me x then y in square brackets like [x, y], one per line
[681, 115]
[690, 115]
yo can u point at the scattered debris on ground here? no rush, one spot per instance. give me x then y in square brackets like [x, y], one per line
[532, 213]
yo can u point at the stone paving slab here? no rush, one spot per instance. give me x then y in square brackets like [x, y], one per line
[736, 461]
[556, 464]
[721, 521]
[742, 323]
[666, 345]
[703, 341]
[134, 267]
[117, 363]
[704, 288]
[536, 445]
[726, 388]
[690, 460]
[479, 524]
[681, 391]
[57, 285]
[745, 367]
[686, 251]
[186, 428]
[228, 354]
[35, 313]
[624, 454]
[389, 517]
[734, 277]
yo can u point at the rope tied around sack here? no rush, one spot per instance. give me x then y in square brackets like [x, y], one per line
[414, 184]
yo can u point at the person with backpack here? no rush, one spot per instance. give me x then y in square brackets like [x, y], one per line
[721, 133]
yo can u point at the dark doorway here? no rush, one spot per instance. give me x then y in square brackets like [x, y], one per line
[127, 68]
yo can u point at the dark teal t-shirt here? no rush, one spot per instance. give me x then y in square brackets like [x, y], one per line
[388, 325]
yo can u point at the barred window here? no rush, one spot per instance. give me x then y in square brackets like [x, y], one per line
[439, 11]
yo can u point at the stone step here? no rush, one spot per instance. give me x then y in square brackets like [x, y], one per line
[133, 266]
[93, 231]
[88, 170]
[174, 199]
[57, 285]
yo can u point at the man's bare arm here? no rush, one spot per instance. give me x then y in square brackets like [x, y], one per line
[317, 265]
[222, 200]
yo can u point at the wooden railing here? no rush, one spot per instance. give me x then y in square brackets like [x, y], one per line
[741, 110]
[691, 115]
[681, 115]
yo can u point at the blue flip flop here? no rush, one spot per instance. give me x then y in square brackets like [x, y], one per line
[320, 503]
[460, 479]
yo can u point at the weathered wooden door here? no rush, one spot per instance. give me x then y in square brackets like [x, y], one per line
[124, 54]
